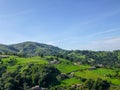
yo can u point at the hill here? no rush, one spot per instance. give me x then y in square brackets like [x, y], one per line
[30, 49]
[57, 69]
[96, 58]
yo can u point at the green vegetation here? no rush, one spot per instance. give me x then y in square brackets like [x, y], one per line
[70, 81]
[29, 49]
[28, 64]
[66, 66]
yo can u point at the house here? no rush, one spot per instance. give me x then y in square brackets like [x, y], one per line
[92, 68]
[77, 63]
[54, 61]
[100, 65]
[78, 85]
[63, 76]
[37, 87]
[4, 56]
[72, 73]
[73, 86]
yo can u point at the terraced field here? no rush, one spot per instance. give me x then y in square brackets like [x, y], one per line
[66, 67]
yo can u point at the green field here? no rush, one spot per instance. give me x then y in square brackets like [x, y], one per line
[70, 81]
[23, 61]
[66, 67]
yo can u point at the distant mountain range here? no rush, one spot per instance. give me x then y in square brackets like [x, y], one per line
[30, 48]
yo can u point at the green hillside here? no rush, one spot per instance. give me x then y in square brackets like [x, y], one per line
[28, 64]
[68, 74]
[30, 49]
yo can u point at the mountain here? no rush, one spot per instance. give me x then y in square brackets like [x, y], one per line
[30, 48]
[106, 58]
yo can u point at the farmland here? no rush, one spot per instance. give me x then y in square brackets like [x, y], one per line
[73, 72]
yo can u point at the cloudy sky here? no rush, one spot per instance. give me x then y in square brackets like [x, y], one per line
[68, 24]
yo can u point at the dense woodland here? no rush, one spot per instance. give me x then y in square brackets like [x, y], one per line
[25, 65]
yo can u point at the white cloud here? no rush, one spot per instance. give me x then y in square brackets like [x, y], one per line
[105, 44]
[104, 32]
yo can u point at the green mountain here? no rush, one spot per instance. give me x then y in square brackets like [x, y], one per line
[30, 48]
[106, 58]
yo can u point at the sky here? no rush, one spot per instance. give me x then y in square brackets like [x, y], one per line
[68, 24]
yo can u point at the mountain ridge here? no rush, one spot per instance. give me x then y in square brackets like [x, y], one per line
[29, 48]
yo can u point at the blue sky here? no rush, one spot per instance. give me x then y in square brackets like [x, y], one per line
[68, 24]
